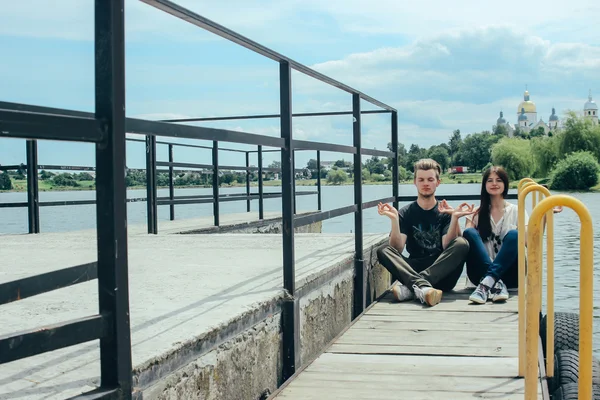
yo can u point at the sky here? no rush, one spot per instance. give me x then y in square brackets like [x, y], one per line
[443, 68]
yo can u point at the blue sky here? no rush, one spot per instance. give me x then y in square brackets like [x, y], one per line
[442, 68]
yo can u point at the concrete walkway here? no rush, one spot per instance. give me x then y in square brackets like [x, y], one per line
[182, 287]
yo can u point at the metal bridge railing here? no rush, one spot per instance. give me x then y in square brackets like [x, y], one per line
[106, 128]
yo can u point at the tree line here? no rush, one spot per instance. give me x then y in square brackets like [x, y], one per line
[567, 159]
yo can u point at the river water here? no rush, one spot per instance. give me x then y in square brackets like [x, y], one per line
[67, 218]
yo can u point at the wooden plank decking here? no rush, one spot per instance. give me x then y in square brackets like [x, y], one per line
[455, 350]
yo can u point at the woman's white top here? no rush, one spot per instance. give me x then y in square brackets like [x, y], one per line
[509, 221]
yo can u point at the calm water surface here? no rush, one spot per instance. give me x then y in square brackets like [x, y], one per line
[60, 219]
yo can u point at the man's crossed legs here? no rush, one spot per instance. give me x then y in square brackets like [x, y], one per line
[425, 278]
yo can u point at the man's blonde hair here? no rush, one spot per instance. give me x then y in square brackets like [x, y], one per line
[425, 164]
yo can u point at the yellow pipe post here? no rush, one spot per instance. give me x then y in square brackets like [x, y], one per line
[550, 294]
[527, 188]
[524, 184]
[585, 294]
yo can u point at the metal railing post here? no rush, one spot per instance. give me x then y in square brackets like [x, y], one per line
[248, 181]
[319, 180]
[151, 184]
[215, 183]
[171, 185]
[290, 320]
[33, 192]
[261, 209]
[359, 275]
[395, 174]
[111, 196]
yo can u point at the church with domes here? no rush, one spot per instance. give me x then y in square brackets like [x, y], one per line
[527, 117]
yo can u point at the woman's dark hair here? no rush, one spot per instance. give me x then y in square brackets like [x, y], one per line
[484, 225]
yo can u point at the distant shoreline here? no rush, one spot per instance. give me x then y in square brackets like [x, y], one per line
[44, 186]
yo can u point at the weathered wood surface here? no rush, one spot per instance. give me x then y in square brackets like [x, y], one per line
[455, 350]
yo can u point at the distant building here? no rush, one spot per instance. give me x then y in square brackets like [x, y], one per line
[527, 117]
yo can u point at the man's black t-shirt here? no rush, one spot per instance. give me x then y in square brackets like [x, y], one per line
[424, 229]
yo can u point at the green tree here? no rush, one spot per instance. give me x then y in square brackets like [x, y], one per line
[515, 156]
[65, 180]
[440, 154]
[579, 134]
[336, 176]
[375, 165]
[537, 132]
[578, 171]
[5, 181]
[455, 144]
[311, 164]
[84, 176]
[500, 130]
[45, 175]
[545, 154]
[476, 149]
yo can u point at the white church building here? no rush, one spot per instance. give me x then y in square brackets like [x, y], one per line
[527, 117]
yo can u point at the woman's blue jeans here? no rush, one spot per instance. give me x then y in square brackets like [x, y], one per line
[505, 266]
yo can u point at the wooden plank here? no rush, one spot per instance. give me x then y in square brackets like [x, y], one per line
[430, 338]
[399, 325]
[415, 383]
[369, 364]
[441, 316]
[502, 351]
[320, 393]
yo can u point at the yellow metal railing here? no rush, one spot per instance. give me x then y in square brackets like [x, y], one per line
[533, 288]
[527, 186]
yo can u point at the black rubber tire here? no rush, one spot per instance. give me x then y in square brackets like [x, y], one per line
[570, 392]
[566, 369]
[566, 331]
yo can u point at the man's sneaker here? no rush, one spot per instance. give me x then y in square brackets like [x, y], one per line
[402, 293]
[481, 294]
[428, 295]
[499, 292]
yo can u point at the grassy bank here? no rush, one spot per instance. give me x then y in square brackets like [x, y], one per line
[46, 186]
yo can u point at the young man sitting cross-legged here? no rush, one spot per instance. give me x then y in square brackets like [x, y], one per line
[430, 231]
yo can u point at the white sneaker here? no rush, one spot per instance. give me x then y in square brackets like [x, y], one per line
[499, 292]
[402, 293]
[428, 295]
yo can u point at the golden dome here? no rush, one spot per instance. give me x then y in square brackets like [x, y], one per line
[527, 104]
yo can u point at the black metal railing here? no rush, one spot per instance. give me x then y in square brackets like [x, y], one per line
[107, 128]
[33, 204]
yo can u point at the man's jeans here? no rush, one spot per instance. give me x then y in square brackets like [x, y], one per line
[505, 266]
[442, 272]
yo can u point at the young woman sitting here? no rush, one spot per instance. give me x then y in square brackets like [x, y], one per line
[493, 240]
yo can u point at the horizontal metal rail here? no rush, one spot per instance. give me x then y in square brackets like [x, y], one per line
[266, 116]
[222, 199]
[33, 285]
[323, 215]
[238, 196]
[373, 203]
[373, 152]
[154, 128]
[196, 146]
[211, 26]
[30, 125]
[52, 337]
[308, 145]
[65, 168]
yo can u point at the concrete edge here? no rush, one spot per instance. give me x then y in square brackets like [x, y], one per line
[151, 372]
[232, 227]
